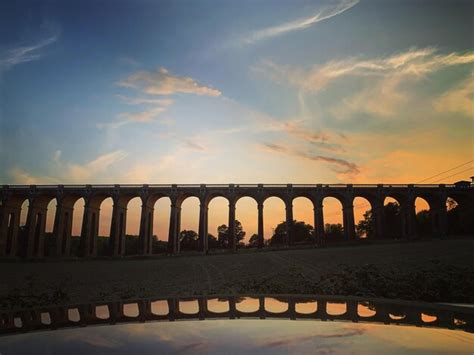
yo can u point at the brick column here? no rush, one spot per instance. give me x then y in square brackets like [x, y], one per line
[9, 228]
[348, 219]
[146, 230]
[203, 238]
[319, 222]
[173, 235]
[117, 229]
[62, 229]
[261, 235]
[89, 230]
[289, 222]
[35, 229]
[231, 227]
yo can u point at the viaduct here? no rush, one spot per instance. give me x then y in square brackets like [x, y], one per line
[39, 196]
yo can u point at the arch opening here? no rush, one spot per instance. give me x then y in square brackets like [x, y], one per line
[304, 223]
[363, 218]
[161, 223]
[105, 221]
[333, 219]
[132, 227]
[424, 222]
[189, 221]
[392, 218]
[218, 221]
[246, 212]
[274, 222]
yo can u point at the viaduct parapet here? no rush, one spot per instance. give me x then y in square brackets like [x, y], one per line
[39, 196]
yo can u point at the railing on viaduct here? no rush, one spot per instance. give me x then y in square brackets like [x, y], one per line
[354, 309]
[39, 196]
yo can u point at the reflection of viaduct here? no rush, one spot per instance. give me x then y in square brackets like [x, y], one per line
[13, 196]
[354, 309]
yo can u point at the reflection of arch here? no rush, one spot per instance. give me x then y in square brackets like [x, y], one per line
[355, 309]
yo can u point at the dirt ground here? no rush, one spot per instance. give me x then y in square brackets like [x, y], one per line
[434, 271]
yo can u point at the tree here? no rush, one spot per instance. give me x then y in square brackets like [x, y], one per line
[302, 233]
[366, 227]
[253, 241]
[212, 242]
[189, 240]
[223, 235]
[423, 223]
[334, 231]
[392, 222]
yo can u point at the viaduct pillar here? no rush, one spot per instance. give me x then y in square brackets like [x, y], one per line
[117, 229]
[319, 221]
[146, 230]
[203, 235]
[289, 222]
[231, 228]
[348, 220]
[89, 230]
[35, 229]
[62, 229]
[9, 229]
[378, 217]
[260, 226]
[175, 225]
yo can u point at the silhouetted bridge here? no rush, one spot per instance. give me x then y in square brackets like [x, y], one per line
[39, 196]
[353, 309]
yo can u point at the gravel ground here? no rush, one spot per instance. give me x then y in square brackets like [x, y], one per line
[433, 271]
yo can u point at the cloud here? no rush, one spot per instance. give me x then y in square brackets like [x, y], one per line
[338, 165]
[460, 99]
[187, 142]
[302, 23]
[144, 116]
[162, 82]
[141, 101]
[24, 54]
[414, 63]
[383, 96]
[70, 172]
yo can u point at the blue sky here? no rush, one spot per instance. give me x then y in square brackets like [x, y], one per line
[223, 91]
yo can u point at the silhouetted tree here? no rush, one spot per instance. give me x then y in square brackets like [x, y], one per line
[212, 242]
[302, 233]
[333, 232]
[223, 235]
[423, 223]
[366, 227]
[460, 221]
[189, 240]
[392, 222]
[253, 241]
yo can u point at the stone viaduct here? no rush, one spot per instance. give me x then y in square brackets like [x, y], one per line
[39, 196]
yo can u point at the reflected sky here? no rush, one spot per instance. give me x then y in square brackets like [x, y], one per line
[241, 336]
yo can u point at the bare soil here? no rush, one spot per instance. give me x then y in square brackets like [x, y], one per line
[433, 271]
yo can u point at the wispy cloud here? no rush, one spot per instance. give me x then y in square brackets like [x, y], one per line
[338, 165]
[321, 14]
[143, 116]
[384, 96]
[162, 82]
[142, 100]
[460, 99]
[68, 172]
[24, 54]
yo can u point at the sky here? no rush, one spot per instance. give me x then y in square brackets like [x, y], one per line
[342, 91]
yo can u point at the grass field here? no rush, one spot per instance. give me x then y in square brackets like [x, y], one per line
[439, 270]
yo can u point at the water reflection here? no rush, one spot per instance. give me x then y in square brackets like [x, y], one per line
[352, 309]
